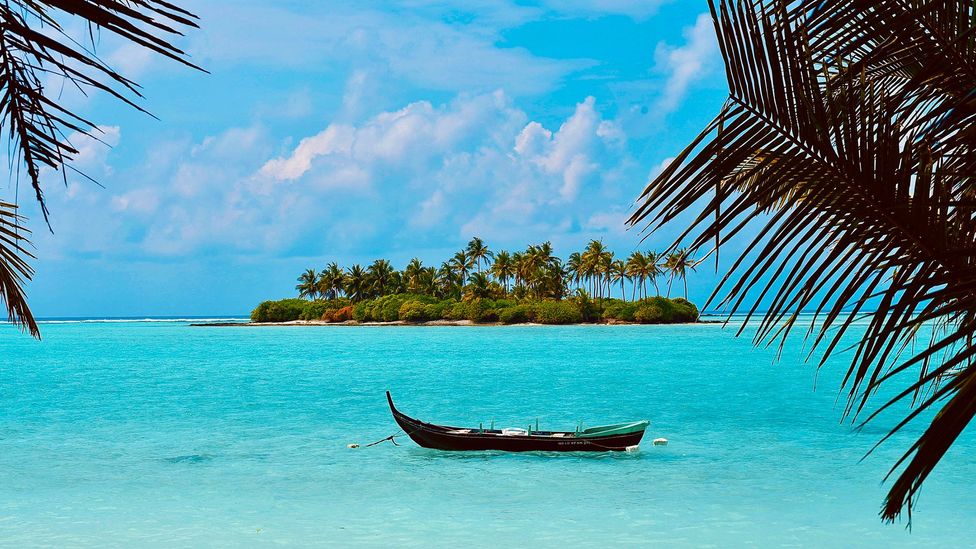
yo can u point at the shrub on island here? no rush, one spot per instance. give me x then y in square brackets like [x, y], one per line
[414, 311]
[557, 312]
[649, 314]
[517, 314]
[343, 314]
[480, 310]
[284, 310]
[421, 308]
[624, 311]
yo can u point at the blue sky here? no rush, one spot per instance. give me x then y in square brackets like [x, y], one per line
[349, 131]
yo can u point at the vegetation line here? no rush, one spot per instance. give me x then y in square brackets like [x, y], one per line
[479, 285]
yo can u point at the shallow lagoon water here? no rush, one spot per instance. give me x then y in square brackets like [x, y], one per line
[163, 435]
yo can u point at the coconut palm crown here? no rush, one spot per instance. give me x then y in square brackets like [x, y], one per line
[845, 157]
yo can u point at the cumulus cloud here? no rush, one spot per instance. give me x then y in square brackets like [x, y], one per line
[414, 176]
[686, 63]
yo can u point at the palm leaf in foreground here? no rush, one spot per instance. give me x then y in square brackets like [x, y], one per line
[35, 48]
[14, 269]
[847, 147]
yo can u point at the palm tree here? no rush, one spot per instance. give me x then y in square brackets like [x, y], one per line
[380, 277]
[574, 268]
[330, 281]
[413, 274]
[480, 287]
[653, 270]
[636, 268]
[449, 280]
[618, 273]
[845, 149]
[357, 283]
[397, 283]
[36, 42]
[605, 266]
[678, 263]
[461, 263]
[593, 258]
[503, 268]
[308, 284]
[517, 267]
[478, 251]
[429, 282]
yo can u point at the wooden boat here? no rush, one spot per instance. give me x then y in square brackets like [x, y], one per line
[618, 437]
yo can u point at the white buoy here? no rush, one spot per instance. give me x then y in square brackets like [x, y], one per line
[660, 442]
[353, 446]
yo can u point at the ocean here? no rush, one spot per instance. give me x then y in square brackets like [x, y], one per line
[159, 434]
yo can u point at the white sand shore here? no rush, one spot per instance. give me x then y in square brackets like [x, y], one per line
[433, 323]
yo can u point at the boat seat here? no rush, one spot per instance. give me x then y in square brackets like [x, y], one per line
[460, 431]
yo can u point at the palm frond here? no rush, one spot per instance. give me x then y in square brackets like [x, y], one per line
[845, 154]
[34, 46]
[14, 269]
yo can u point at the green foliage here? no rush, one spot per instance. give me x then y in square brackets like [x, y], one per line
[423, 308]
[517, 314]
[438, 309]
[284, 310]
[359, 311]
[455, 311]
[414, 311]
[480, 310]
[621, 310]
[649, 314]
[684, 311]
[557, 312]
[313, 310]
[588, 309]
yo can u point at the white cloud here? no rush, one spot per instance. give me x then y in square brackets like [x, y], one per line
[687, 63]
[637, 9]
[415, 176]
[405, 44]
[336, 139]
[659, 169]
[130, 60]
[93, 149]
[144, 201]
[568, 153]
[612, 221]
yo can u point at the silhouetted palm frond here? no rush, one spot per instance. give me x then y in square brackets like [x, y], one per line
[846, 154]
[34, 47]
[14, 269]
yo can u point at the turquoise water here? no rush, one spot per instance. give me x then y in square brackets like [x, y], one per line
[165, 435]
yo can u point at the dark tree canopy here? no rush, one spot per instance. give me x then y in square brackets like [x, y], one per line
[846, 155]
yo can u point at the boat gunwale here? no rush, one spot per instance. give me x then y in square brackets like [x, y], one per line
[445, 430]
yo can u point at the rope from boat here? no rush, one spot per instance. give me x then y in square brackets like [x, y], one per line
[392, 438]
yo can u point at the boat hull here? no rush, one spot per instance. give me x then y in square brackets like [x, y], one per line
[441, 437]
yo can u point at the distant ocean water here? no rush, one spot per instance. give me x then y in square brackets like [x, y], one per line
[158, 434]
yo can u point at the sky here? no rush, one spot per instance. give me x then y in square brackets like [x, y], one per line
[349, 131]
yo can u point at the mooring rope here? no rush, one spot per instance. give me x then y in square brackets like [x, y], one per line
[392, 438]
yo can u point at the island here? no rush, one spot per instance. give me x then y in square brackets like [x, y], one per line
[478, 286]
